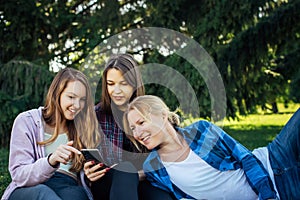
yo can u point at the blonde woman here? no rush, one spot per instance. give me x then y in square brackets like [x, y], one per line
[201, 161]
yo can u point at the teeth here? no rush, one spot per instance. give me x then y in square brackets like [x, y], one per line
[145, 138]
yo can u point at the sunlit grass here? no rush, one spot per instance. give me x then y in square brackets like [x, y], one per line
[259, 129]
[256, 130]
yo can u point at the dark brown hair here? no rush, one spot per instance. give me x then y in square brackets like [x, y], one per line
[129, 68]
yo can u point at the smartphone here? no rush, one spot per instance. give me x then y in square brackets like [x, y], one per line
[93, 155]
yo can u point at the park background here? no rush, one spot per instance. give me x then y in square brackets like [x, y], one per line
[254, 44]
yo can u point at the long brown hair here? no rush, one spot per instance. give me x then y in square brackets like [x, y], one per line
[129, 68]
[83, 130]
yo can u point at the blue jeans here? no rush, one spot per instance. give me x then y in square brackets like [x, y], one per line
[284, 154]
[58, 187]
[119, 183]
[37, 192]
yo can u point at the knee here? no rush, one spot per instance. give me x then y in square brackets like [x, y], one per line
[75, 193]
[44, 192]
[126, 167]
[125, 172]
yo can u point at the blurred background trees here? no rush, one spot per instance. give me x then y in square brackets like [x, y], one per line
[255, 45]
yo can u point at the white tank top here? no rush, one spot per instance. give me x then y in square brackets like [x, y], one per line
[201, 181]
[50, 148]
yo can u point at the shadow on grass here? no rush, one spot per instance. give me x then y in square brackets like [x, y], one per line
[253, 136]
[280, 113]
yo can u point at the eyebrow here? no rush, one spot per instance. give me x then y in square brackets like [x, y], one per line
[72, 93]
[122, 81]
[139, 120]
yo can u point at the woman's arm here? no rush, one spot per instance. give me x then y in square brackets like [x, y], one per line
[239, 156]
[26, 164]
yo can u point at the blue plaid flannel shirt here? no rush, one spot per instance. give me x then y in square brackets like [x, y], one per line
[220, 151]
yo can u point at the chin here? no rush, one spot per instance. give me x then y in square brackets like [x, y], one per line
[70, 118]
[119, 102]
[149, 147]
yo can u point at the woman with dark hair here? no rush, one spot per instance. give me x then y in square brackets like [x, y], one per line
[45, 160]
[121, 83]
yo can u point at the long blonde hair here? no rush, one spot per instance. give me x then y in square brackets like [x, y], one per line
[83, 130]
[146, 105]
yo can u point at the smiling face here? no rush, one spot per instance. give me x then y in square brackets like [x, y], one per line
[118, 89]
[72, 99]
[149, 131]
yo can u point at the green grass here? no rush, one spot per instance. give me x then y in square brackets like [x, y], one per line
[252, 131]
[257, 130]
[4, 175]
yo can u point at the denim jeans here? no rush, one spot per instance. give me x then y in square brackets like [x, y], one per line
[119, 183]
[37, 192]
[58, 187]
[284, 154]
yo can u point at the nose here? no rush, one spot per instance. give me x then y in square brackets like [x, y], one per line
[117, 88]
[76, 104]
[137, 133]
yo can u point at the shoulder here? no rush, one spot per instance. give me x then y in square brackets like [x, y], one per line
[199, 126]
[97, 107]
[33, 114]
[201, 129]
[102, 115]
[28, 122]
[99, 111]
[202, 124]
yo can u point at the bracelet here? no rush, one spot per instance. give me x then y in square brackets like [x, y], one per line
[54, 166]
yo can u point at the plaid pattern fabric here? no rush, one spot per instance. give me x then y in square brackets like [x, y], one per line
[220, 151]
[112, 137]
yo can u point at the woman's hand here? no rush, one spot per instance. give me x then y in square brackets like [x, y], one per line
[92, 171]
[63, 154]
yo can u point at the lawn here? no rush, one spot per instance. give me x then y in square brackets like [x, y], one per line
[252, 131]
[257, 130]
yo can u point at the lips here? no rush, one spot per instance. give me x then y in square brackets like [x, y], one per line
[118, 98]
[145, 139]
[73, 112]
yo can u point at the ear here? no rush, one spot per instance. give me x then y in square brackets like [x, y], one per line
[165, 115]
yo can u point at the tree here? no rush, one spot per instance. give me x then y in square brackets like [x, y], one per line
[255, 44]
[23, 85]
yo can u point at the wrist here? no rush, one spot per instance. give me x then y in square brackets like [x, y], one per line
[54, 165]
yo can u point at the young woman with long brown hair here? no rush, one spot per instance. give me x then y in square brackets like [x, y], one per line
[45, 159]
[121, 83]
